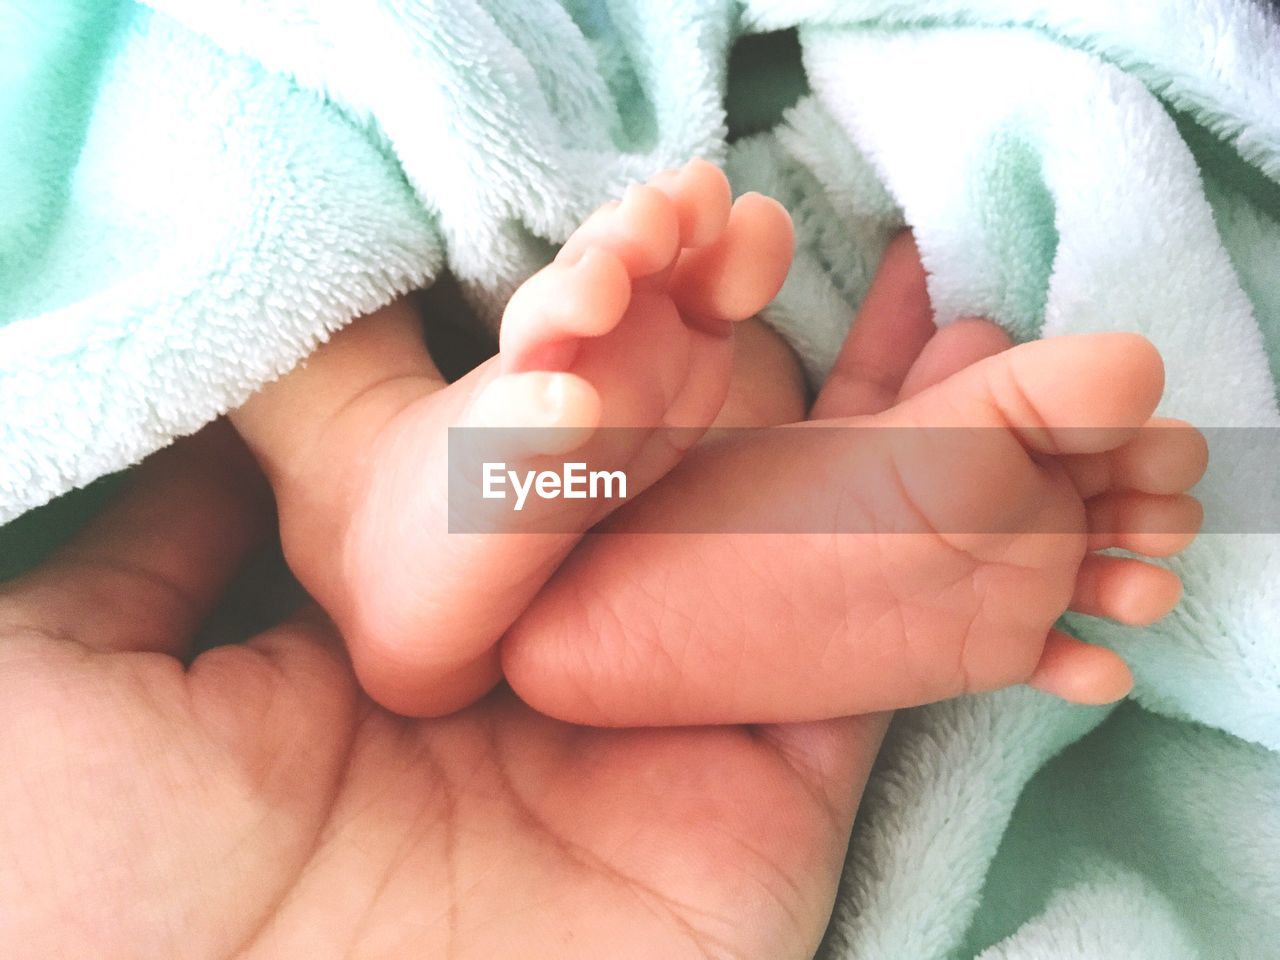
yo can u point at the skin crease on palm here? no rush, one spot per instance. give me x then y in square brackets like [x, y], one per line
[253, 802]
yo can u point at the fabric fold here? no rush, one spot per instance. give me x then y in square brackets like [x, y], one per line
[196, 195]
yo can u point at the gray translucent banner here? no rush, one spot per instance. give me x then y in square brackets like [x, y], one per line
[827, 478]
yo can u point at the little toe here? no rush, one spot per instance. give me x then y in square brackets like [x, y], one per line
[559, 304]
[1126, 590]
[702, 198]
[737, 275]
[1155, 526]
[643, 231]
[1080, 672]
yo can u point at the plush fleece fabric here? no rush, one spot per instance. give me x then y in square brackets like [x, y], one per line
[197, 194]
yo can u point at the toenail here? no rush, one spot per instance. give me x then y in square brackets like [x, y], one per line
[589, 259]
[552, 397]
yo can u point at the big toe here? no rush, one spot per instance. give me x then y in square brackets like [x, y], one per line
[1074, 394]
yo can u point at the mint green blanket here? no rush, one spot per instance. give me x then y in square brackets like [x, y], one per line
[195, 194]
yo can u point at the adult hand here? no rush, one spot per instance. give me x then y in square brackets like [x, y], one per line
[250, 802]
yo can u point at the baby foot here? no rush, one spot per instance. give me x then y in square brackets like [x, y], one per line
[630, 326]
[995, 533]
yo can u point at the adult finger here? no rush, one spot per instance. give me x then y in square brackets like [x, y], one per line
[893, 325]
[147, 571]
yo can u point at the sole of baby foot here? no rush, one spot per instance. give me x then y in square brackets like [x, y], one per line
[988, 553]
[1110, 472]
[1125, 590]
[617, 332]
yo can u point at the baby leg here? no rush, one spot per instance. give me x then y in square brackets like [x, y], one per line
[630, 326]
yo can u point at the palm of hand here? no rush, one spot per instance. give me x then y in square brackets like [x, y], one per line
[255, 805]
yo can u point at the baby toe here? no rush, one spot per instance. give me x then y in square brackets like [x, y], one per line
[1080, 672]
[700, 193]
[643, 231]
[1071, 395]
[560, 304]
[737, 275]
[1165, 457]
[1155, 526]
[1128, 591]
[555, 411]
